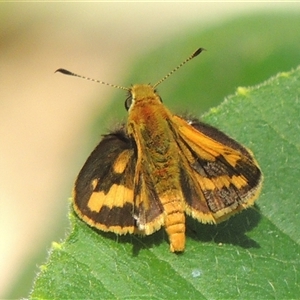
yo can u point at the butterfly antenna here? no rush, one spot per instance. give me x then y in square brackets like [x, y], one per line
[66, 72]
[196, 53]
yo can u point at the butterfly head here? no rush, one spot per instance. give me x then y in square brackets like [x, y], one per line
[141, 93]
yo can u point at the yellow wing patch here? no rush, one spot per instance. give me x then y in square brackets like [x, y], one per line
[228, 176]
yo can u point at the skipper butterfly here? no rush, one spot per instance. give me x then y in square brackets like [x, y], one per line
[159, 167]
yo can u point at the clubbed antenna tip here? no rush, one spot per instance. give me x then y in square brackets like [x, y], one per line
[196, 53]
[66, 72]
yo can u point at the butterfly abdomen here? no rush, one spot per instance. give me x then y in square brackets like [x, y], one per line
[174, 220]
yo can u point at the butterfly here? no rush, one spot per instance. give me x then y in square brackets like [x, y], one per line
[159, 167]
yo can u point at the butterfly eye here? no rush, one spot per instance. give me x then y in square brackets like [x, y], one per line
[128, 102]
[155, 92]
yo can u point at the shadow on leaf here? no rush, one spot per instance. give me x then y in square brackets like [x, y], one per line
[232, 231]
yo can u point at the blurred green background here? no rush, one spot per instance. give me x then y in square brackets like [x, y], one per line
[50, 123]
[241, 51]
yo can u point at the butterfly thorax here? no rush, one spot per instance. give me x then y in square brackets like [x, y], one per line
[150, 125]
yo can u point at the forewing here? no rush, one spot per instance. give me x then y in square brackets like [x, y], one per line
[219, 177]
[104, 189]
[114, 192]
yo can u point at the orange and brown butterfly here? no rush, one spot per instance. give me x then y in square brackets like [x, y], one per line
[158, 167]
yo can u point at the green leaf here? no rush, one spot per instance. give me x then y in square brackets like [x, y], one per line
[254, 255]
